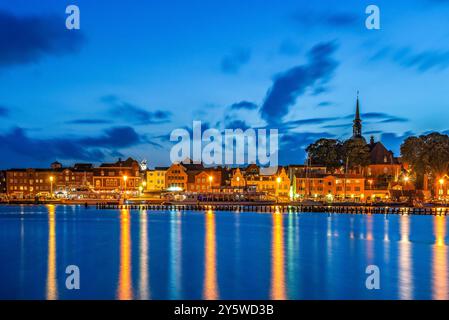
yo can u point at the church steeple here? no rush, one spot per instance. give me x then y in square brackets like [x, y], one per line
[357, 123]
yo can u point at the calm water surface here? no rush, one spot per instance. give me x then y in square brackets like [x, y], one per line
[219, 255]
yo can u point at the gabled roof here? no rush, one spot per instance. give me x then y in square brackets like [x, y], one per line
[380, 155]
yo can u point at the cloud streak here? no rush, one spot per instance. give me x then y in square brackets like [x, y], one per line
[421, 61]
[291, 84]
[89, 121]
[19, 144]
[328, 20]
[245, 105]
[135, 114]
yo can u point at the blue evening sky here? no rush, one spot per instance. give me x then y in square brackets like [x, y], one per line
[138, 69]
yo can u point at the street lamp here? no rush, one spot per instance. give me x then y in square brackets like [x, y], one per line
[210, 182]
[124, 179]
[441, 181]
[51, 186]
[278, 181]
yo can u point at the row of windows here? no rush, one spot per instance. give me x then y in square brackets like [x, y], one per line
[120, 173]
[175, 178]
[30, 181]
[180, 185]
[329, 183]
[156, 181]
[159, 174]
[25, 188]
[357, 189]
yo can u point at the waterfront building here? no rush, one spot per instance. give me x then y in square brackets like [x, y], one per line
[57, 180]
[238, 179]
[176, 177]
[2, 183]
[205, 180]
[441, 188]
[297, 169]
[155, 179]
[112, 179]
[322, 186]
[29, 183]
[179, 175]
[68, 180]
[276, 186]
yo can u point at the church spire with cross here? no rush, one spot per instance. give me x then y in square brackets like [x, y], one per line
[357, 123]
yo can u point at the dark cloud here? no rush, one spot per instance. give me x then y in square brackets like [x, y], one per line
[243, 105]
[89, 121]
[373, 132]
[329, 20]
[232, 62]
[422, 61]
[18, 145]
[310, 121]
[380, 116]
[293, 144]
[237, 124]
[4, 111]
[116, 137]
[393, 119]
[135, 114]
[291, 84]
[333, 126]
[324, 104]
[28, 39]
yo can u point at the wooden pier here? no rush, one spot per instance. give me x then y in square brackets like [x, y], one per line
[280, 208]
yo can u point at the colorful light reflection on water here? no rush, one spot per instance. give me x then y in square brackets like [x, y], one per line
[131, 254]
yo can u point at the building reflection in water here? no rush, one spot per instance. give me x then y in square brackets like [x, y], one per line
[278, 291]
[52, 289]
[405, 260]
[124, 290]
[439, 262]
[292, 252]
[144, 285]
[210, 289]
[369, 238]
[175, 255]
[386, 240]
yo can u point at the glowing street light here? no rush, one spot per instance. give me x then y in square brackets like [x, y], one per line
[125, 178]
[406, 178]
[210, 182]
[441, 181]
[278, 180]
[51, 186]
